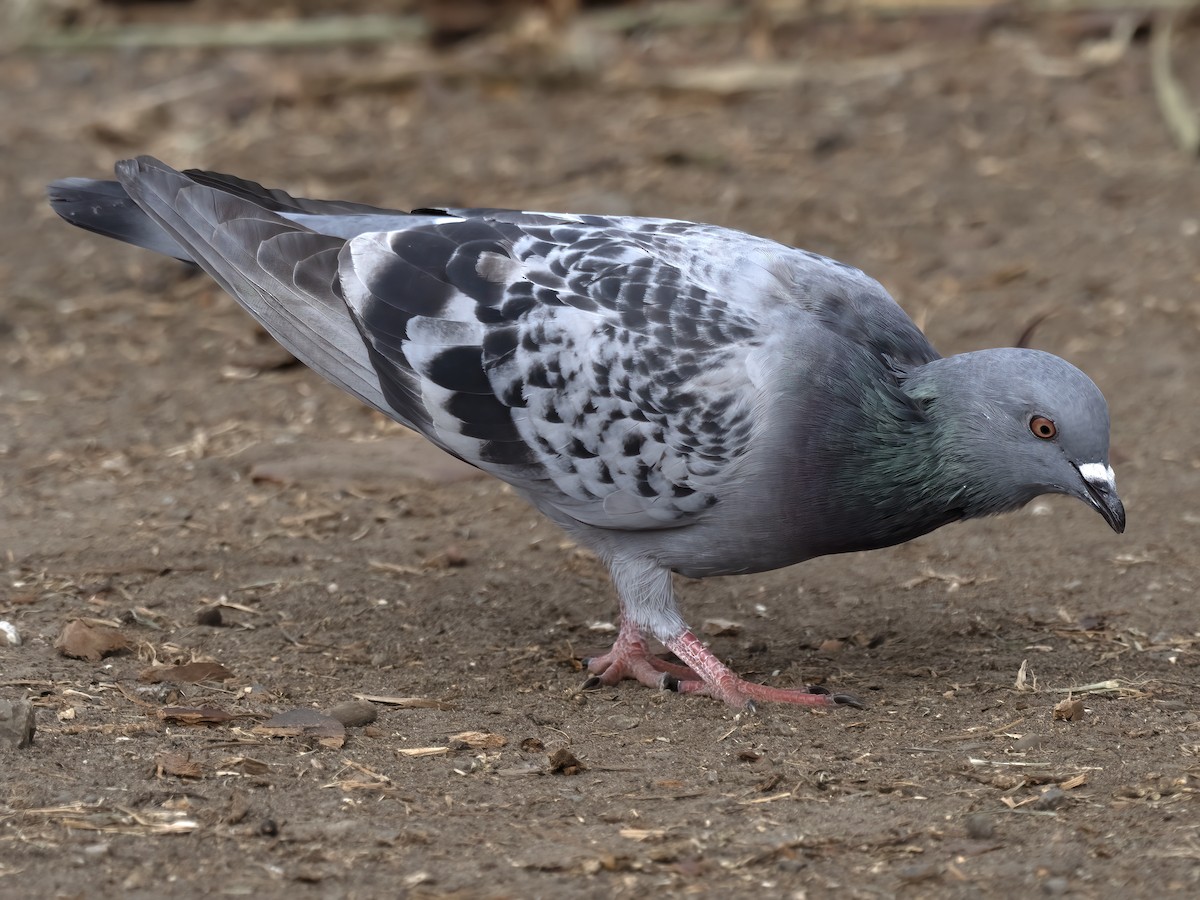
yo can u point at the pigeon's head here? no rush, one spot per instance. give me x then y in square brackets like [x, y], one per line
[1021, 423]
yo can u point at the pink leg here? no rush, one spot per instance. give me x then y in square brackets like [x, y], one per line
[630, 658]
[717, 680]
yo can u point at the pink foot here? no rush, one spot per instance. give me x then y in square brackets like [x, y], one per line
[630, 657]
[714, 679]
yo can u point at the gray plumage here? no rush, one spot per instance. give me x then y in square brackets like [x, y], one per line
[679, 397]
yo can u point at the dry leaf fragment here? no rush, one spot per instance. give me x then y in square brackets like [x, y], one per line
[243, 765]
[328, 731]
[194, 715]
[643, 834]
[477, 740]
[1069, 710]
[719, 627]
[830, 648]
[450, 558]
[180, 765]
[80, 639]
[1026, 681]
[406, 702]
[1074, 781]
[188, 673]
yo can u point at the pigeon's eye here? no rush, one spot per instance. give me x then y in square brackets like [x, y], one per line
[1042, 427]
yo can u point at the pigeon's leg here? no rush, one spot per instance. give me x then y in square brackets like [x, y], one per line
[630, 657]
[648, 606]
[718, 680]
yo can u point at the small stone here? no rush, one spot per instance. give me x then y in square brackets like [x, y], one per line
[16, 724]
[211, 616]
[1056, 887]
[354, 713]
[980, 827]
[1028, 742]
[11, 635]
[1051, 798]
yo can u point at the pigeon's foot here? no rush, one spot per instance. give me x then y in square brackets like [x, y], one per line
[718, 680]
[630, 657]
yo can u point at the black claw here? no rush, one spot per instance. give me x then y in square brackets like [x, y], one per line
[751, 708]
[839, 699]
[670, 682]
[848, 700]
[591, 684]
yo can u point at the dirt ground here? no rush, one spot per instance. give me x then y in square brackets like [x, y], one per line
[165, 470]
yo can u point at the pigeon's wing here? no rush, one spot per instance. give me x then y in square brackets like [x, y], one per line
[564, 358]
[626, 361]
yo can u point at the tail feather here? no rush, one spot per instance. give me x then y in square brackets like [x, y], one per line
[293, 295]
[279, 201]
[104, 207]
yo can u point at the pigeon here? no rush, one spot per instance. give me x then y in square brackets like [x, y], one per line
[678, 397]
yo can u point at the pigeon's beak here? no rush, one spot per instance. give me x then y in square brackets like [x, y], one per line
[1100, 489]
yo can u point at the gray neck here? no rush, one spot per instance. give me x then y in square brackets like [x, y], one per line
[914, 464]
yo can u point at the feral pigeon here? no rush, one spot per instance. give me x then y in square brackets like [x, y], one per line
[678, 397]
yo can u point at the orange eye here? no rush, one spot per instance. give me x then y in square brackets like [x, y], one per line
[1042, 427]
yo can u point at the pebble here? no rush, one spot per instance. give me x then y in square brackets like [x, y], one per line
[1051, 798]
[980, 827]
[16, 724]
[211, 616]
[354, 713]
[9, 630]
[1028, 742]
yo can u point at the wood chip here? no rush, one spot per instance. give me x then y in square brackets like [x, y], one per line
[188, 673]
[406, 702]
[243, 765]
[643, 834]
[194, 715]
[1074, 781]
[477, 740]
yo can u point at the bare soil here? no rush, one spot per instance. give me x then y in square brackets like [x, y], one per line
[159, 459]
